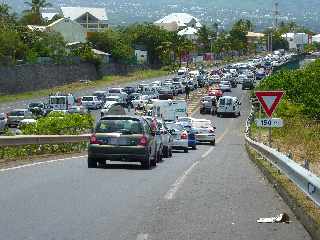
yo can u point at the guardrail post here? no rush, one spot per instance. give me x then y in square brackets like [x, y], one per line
[306, 164]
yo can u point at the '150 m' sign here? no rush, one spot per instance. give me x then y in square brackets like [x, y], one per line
[270, 122]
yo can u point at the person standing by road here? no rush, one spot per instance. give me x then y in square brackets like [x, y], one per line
[187, 90]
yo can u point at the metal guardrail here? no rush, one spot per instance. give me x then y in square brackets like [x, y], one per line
[22, 140]
[307, 181]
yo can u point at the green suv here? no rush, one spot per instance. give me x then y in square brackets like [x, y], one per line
[122, 138]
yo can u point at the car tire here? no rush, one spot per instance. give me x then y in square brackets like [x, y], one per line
[186, 150]
[92, 163]
[213, 143]
[194, 147]
[170, 152]
[146, 163]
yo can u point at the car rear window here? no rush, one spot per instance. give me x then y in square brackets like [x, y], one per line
[114, 91]
[116, 125]
[201, 124]
[87, 99]
[16, 113]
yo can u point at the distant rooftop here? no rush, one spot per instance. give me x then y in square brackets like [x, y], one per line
[75, 12]
[182, 19]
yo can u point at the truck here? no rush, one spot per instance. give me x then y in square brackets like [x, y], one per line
[61, 101]
[169, 110]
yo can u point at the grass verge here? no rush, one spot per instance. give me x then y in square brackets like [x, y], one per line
[304, 208]
[77, 86]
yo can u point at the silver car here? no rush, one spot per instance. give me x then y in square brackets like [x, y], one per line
[3, 122]
[225, 86]
[204, 131]
[180, 137]
[17, 115]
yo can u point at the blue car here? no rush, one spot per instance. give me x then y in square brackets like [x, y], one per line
[192, 141]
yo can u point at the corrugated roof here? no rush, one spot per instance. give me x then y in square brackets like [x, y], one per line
[255, 34]
[37, 28]
[180, 18]
[75, 12]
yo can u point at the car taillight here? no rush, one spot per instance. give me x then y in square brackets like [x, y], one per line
[211, 130]
[143, 141]
[184, 136]
[94, 140]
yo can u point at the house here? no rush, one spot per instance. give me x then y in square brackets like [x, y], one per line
[178, 21]
[70, 30]
[190, 33]
[256, 41]
[296, 40]
[141, 54]
[92, 19]
[316, 38]
[105, 57]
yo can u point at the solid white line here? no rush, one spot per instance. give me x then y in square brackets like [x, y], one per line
[175, 187]
[142, 236]
[206, 154]
[40, 163]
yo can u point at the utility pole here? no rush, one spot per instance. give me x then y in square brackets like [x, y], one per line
[275, 14]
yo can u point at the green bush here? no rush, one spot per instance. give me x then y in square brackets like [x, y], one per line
[57, 123]
[302, 88]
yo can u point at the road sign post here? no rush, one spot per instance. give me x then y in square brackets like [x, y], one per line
[269, 100]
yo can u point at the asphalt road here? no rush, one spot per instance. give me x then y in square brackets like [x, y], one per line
[210, 193]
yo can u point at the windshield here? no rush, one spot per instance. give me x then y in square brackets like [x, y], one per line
[114, 90]
[112, 99]
[16, 113]
[58, 100]
[32, 105]
[201, 124]
[125, 126]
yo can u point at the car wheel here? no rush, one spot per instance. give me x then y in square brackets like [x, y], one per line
[213, 143]
[186, 150]
[146, 164]
[165, 152]
[170, 152]
[92, 163]
[194, 147]
[159, 157]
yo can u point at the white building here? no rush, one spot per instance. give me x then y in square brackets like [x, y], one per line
[316, 38]
[178, 21]
[70, 30]
[296, 40]
[92, 19]
[189, 33]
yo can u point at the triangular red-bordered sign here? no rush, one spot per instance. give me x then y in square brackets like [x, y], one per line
[269, 100]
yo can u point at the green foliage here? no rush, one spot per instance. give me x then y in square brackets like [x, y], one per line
[85, 53]
[11, 45]
[57, 123]
[302, 89]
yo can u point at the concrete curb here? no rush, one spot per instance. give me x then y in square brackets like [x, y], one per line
[309, 224]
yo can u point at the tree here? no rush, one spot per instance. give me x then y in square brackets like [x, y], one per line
[33, 15]
[205, 36]
[6, 18]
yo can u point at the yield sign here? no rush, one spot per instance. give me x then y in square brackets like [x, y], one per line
[269, 100]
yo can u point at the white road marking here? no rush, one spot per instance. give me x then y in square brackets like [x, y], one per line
[142, 236]
[206, 154]
[40, 163]
[175, 187]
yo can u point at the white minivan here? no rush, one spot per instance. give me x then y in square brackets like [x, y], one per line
[228, 105]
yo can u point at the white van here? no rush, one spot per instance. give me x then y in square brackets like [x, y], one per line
[228, 105]
[169, 110]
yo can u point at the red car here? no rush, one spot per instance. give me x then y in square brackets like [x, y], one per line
[215, 92]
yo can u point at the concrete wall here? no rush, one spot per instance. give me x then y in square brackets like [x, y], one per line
[23, 78]
[29, 77]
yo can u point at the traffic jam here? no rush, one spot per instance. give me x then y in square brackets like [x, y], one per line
[148, 121]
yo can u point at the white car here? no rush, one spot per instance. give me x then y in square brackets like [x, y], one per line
[225, 86]
[118, 92]
[3, 122]
[215, 78]
[91, 102]
[179, 135]
[228, 105]
[140, 101]
[204, 131]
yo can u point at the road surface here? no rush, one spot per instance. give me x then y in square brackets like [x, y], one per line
[211, 193]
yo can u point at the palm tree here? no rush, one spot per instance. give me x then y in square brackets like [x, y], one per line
[36, 5]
